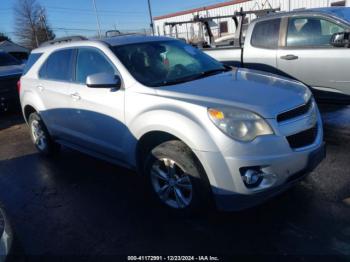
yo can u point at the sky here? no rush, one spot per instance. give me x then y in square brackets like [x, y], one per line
[69, 17]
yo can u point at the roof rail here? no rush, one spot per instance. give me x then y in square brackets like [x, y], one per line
[63, 40]
[116, 33]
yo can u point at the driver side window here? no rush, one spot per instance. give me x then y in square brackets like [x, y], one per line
[310, 31]
[91, 61]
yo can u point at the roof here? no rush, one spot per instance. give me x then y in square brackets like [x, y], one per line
[133, 39]
[112, 41]
[328, 11]
[190, 11]
[9, 46]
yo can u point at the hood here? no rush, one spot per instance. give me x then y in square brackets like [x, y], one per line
[11, 70]
[262, 93]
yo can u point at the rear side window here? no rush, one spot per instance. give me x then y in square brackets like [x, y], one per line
[31, 61]
[266, 34]
[59, 66]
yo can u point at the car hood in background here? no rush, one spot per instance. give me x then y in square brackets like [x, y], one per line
[11, 70]
[263, 93]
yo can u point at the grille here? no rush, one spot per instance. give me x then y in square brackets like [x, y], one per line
[302, 139]
[299, 111]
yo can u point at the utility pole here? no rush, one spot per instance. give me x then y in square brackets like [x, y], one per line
[150, 16]
[97, 20]
[42, 19]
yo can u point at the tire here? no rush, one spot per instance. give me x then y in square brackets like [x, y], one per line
[41, 137]
[177, 179]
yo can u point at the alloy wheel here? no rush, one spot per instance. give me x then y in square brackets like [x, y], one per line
[171, 183]
[38, 135]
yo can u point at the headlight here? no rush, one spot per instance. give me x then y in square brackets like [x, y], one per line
[239, 124]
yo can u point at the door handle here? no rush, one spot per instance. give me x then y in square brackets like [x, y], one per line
[40, 88]
[75, 96]
[289, 57]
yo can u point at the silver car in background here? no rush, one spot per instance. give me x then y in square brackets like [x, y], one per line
[200, 132]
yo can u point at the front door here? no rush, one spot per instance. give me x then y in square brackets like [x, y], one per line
[98, 119]
[309, 57]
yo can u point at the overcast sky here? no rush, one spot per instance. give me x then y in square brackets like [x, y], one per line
[77, 16]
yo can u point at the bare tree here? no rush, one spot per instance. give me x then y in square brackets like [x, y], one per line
[4, 37]
[31, 23]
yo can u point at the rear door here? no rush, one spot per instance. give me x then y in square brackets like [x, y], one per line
[56, 75]
[308, 56]
[260, 52]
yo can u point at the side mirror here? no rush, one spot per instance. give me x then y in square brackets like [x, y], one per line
[340, 39]
[103, 80]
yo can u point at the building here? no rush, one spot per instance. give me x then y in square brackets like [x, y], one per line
[224, 26]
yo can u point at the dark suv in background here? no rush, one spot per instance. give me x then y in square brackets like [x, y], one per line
[10, 71]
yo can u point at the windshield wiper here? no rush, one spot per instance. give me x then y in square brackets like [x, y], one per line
[214, 71]
[177, 81]
[211, 72]
[195, 77]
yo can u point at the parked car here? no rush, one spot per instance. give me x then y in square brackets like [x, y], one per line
[10, 72]
[310, 45]
[197, 130]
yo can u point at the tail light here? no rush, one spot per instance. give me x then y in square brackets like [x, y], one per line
[19, 86]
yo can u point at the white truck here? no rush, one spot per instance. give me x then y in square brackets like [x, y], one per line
[310, 45]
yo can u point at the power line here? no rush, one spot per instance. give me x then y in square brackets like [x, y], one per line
[90, 11]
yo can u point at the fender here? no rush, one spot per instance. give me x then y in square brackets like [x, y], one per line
[29, 98]
[182, 125]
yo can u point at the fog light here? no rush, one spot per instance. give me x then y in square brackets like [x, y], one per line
[252, 178]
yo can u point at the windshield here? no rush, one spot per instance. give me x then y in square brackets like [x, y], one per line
[166, 62]
[7, 60]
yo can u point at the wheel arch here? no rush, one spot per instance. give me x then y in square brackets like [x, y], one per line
[31, 101]
[27, 110]
[147, 142]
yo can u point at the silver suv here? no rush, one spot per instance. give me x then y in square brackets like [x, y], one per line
[199, 131]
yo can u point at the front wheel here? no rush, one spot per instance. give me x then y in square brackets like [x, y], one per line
[176, 177]
[40, 136]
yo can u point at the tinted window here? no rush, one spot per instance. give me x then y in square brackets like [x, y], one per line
[90, 61]
[266, 34]
[31, 61]
[58, 66]
[160, 63]
[311, 31]
[8, 60]
[223, 27]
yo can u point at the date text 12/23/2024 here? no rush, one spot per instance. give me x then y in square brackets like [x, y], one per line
[173, 258]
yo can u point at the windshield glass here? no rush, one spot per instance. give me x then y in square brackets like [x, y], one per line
[343, 13]
[166, 62]
[7, 60]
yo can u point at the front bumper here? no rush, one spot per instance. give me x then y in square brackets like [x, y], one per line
[235, 201]
[272, 155]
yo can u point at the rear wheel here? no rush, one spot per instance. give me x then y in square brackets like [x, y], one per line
[40, 136]
[176, 177]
